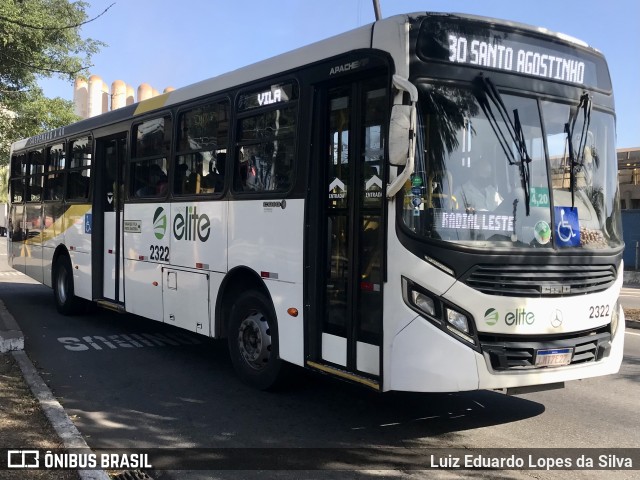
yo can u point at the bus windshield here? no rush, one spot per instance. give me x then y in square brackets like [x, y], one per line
[505, 177]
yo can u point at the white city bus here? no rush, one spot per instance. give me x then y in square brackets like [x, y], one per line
[427, 203]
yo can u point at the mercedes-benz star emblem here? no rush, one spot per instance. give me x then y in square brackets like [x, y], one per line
[556, 318]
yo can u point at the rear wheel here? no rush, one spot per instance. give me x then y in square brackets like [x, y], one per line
[66, 301]
[253, 342]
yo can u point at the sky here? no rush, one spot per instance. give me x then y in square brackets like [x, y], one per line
[180, 42]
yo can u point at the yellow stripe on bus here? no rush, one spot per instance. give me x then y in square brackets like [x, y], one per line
[73, 215]
[151, 104]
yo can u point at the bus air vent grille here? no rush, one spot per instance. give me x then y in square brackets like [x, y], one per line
[540, 280]
[507, 353]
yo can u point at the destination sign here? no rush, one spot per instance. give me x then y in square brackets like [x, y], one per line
[273, 94]
[474, 221]
[517, 57]
[501, 48]
[45, 137]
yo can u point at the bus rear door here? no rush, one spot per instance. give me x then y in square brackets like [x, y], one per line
[107, 221]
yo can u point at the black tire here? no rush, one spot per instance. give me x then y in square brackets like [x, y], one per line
[253, 342]
[63, 293]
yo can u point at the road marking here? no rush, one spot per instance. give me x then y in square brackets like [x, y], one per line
[129, 340]
[11, 274]
[633, 333]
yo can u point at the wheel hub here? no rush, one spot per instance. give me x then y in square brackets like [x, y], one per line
[254, 340]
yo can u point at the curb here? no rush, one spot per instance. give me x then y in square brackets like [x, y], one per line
[631, 278]
[635, 324]
[60, 421]
[12, 339]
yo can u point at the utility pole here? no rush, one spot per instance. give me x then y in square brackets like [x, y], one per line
[376, 9]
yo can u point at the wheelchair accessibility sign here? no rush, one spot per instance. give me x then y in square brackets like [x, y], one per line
[567, 227]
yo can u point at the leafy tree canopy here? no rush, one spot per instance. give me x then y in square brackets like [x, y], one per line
[39, 38]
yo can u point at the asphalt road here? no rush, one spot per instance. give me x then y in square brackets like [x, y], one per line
[630, 297]
[131, 383]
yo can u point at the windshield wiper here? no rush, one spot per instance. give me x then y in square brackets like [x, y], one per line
[585, 105]
[486, 94]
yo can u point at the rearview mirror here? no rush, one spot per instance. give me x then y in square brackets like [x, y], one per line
[402, 135]
[399, 138]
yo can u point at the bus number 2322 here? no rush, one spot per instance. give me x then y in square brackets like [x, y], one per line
[158, 252]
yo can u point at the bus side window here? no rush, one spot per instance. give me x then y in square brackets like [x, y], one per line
[54, 168]
[148, 167]
[266, 134]
[79, 176]
[202, 144]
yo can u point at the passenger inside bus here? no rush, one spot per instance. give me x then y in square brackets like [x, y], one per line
[151, 181]
[162, 185]
[55, 190]
[195, 178]
[479, 192]
[215, 179]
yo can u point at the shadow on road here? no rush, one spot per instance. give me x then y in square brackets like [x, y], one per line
[186, 395]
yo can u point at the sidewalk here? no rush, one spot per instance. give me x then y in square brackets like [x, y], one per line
[31, 416]
[23, 423]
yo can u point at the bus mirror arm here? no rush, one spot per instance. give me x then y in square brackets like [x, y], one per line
[402, 135]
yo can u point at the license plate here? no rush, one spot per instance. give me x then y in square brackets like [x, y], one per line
[554, 357]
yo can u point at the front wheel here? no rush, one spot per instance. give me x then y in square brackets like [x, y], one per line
[66, 301]
[253, 342]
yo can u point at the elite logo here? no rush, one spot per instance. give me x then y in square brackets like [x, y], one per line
[491, 317]
[518, 317]
[160, 223]
[191, 225]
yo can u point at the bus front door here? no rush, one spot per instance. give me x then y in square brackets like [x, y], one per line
[347, 333]
[107, 223]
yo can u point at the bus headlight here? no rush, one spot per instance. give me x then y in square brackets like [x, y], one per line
[458, 324]
[423, 302]
[439, 312]
[615, 318]
[458, 320]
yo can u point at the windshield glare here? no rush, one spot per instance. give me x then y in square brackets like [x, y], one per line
[468, 185]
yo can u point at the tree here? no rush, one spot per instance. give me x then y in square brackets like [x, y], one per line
[4, 184]
[29, 113]
[38, 38]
